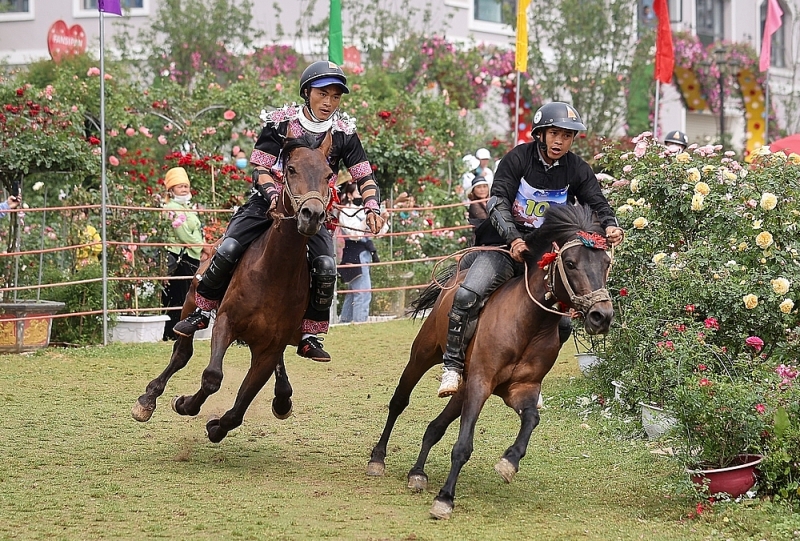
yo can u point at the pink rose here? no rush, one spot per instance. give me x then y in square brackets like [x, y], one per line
[755, 342]
[122, 151]
[144, 131]
[93, 72]
[107, 77]
[229, 115]
[113, 133]
[162, 140]
[130, 132]
[113, 160]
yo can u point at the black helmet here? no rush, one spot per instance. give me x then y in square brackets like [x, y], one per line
[676, 137]
[558, 114]
[323, 73]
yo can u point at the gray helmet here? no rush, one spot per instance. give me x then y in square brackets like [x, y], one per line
[558, 114]
[323, 73]
[676, 137]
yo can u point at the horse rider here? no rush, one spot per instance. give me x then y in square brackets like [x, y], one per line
[529, 179]
[322, 85]
[677, 139]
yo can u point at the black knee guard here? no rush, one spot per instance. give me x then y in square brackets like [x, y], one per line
[323, 282]
[463, 315]
[222, 264]
[564, 329]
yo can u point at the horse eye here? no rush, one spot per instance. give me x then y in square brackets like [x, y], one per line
[570, 264]
[290, 169]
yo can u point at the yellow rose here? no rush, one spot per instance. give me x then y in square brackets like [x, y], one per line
[750, 301]
[768, 201]
[764, 240]
[779, 156]
[716, 276]
[708, 168]
[639, 202]
[693, 174]
[727, 175]
[702, 188]
[624, 209]
[697, 202]
[631, 201]
[640, 222]
[742, 246]
[786, 306]
[794, 158]
[674, 271]
[634, 185]
[757, 224]
[780, 285]
[683, 157]
[659, 257]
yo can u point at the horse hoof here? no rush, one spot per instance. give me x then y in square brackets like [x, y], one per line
[506, 470]
[418, 483]
[174, 404]
[376, 469]
[215, 433]
[441, 510]
[141, 413]
[281, 415]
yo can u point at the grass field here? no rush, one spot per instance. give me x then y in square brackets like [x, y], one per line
[74, 465]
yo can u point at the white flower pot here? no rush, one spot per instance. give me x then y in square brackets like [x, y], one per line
[586, 361]
[618, 388]
[138, 329]
[656, 421]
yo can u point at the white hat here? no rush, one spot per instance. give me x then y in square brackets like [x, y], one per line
[483, 154]
[471, 161]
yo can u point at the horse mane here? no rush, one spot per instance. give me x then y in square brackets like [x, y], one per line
[561, 223]
[304, 141]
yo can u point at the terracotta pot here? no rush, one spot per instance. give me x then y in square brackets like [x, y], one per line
[734, 480]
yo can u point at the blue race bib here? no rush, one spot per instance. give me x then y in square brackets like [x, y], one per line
[531, 204]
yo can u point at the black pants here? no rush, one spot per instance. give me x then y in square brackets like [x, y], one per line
[174, 293]
[250, 222]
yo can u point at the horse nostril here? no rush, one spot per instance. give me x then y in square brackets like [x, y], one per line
[599, 318]
[307, 214]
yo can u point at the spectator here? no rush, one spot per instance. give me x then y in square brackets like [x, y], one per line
[10, 203]
[358, 249]
[676, 141]
[483, 169]
[181, 260]
[472, 164]
[240, 159]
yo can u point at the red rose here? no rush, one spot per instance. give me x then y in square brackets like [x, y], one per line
[623, 292]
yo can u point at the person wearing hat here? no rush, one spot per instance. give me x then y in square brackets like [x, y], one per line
[483, 169]
[181, 260]
[322, 85]
[478, 193]
[677, 141]
[529, 179]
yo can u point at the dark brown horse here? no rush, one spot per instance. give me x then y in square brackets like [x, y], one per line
[266, 299]
[515, 343]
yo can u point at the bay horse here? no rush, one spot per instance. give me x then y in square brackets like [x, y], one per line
[515, 343]
[266, 299]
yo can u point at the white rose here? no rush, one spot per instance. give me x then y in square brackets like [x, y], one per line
[780, 285]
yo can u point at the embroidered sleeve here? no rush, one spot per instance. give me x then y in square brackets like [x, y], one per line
[259, 157]
[268, 146]
[356, 162]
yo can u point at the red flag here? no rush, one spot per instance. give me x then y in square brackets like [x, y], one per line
[774, 14]
[665, 54]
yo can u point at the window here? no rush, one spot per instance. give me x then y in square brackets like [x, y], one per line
[710, 23]
[14, 6]
[495, 11]
[126, 4]
[778, 54]
[86, 9]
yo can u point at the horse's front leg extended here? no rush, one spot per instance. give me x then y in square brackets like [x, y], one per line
[146, 404]
[282, 403]
[474, 399]
[528, 411]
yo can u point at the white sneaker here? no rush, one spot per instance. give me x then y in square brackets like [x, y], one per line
[451, 381]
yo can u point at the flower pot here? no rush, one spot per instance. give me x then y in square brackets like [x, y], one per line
[586, 361]
[29, 334]
[138, 329]
[656, 421]
[734, 480]
[619, 387]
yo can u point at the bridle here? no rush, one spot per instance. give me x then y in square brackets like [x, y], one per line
[553, 260]
[296, 202]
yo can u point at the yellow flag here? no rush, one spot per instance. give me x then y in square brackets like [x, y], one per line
[522, 35]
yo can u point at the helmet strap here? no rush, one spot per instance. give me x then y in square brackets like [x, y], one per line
[314, 118]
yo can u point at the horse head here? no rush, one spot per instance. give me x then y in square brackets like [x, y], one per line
[306, 178]
[572, 250]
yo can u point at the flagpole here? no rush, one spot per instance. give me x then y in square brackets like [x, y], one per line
[516, 113]
[655, 113]
[766, 109]
[103, 177]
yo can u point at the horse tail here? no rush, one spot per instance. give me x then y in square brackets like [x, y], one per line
[428, 297]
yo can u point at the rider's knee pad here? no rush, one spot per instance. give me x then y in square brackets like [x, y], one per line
[465, 302]
[564, 328]
[323, 282]
[223, 263]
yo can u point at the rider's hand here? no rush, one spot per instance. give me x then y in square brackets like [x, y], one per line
[374, 222]
[614, 234]
[518, 247]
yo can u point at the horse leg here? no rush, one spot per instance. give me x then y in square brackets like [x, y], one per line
[417, 478]
[146, 404]
[526, 405]
[282, 403]
[474, 399]
[261, 369]
[424, 354]
[212, 375]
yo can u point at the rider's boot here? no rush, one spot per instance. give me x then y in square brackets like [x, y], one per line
[310, 347]
[214, 280]
[457, 341]
[323, 285]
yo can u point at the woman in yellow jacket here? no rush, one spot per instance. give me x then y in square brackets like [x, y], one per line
[181, 260]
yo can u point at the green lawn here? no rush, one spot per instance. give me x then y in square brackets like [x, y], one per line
[76, 466]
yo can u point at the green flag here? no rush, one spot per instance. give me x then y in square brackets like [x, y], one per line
[335, 43]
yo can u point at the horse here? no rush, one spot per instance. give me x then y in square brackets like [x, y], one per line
[515, 343]
[265, 301]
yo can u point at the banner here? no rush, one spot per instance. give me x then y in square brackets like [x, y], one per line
[521, 59]
[109, 6]
[665, 54]
[335, 41]
[774, 14]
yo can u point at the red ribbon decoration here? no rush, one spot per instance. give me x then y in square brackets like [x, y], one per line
[547, 258]
[593, 240]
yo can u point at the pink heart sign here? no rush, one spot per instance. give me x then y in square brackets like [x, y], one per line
[65, 41]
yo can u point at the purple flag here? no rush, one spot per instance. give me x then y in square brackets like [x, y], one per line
[109, 6]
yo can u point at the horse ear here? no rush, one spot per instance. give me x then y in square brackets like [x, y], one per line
[327, 143]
